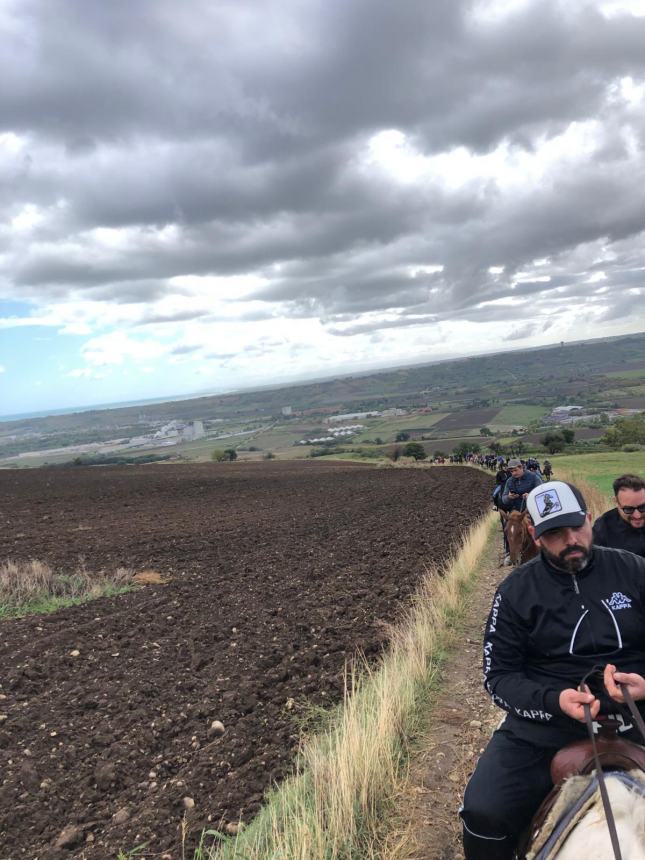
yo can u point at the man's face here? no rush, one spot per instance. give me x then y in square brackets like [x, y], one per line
[517, 471]
[631, 499]
[568, 549]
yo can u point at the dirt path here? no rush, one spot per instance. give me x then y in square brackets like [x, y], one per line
[459, 725]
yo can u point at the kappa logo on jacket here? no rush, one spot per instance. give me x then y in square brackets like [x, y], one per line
[619, 600]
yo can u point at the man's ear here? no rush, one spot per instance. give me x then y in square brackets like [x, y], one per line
[531, 530]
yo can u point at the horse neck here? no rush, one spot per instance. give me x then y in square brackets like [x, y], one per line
[527, 542]
[590, 837]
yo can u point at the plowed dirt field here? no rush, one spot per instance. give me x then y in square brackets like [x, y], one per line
[279, 573]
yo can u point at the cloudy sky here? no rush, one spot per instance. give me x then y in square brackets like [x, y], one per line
[197, 196]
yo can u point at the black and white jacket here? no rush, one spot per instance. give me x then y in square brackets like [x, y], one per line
[548, 628]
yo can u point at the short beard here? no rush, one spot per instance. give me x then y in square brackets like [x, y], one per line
[565, 562]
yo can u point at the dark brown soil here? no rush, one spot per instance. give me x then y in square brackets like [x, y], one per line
[466, 419]
[280, 572]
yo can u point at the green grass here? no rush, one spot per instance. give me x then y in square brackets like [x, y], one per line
[600, 469]
[388, 427]
[521, 414]
[639, 373]
[32, 587]
[45, 605]
[279, 438]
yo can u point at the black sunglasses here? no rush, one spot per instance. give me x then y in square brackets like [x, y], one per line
[630, 509]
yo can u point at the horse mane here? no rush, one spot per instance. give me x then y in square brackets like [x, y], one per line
[587, 836]
[527, 548]
[590, 838]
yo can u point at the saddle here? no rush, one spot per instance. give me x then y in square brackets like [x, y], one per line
[614, 754]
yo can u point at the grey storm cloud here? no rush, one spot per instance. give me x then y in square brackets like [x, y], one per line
[245, 129]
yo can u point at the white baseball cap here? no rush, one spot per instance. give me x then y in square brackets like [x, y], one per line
[556, 504]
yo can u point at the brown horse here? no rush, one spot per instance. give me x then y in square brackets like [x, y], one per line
[520, 543]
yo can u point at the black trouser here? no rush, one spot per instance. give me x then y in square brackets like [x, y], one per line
[509, 783]
[504, 538]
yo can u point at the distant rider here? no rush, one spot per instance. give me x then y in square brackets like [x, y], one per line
[518, 486]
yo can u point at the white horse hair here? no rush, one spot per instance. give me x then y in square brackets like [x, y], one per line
[590, 837]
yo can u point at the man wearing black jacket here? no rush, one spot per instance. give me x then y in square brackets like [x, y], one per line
[623, 527]
[572, 607]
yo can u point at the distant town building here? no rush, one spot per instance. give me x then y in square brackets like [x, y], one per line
[193, 431]
[287, 411]
[349, 416]
[568, 409]
[566, 415]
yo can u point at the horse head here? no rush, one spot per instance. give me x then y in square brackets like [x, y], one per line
[520, 543]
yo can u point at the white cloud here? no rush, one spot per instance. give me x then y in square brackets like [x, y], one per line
[117, 347]
[85, 373]
[290, 215]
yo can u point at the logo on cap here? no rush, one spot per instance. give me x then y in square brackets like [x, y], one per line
[548, 503]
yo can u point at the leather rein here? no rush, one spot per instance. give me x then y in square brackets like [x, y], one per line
[629, 701]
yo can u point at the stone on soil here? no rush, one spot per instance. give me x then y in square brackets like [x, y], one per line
[69, 837]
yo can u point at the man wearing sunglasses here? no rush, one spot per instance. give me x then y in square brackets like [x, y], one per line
[573, 607]
[623, 527]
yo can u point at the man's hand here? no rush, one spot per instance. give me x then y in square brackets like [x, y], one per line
[513, 496]
[572, 701]
[634, 683]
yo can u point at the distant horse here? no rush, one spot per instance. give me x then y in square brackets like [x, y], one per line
[520, 543]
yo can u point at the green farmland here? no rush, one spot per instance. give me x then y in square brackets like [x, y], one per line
[600, 469]
[518, 414]
[639, 373]
[388, 427]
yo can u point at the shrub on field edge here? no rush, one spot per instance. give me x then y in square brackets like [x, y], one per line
[416, 450]
[626, 431]
[225, 455]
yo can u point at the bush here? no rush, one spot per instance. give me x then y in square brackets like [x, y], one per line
[466, 448]
[325, 452]
[628, 449]
[626, 431]
[416, 450]
[402, 436]
[226, 455]
[554, 442]
[269, 456]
